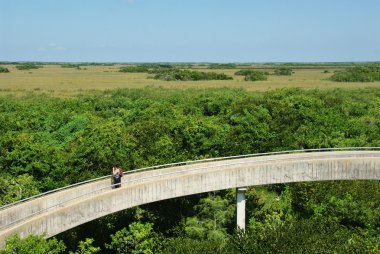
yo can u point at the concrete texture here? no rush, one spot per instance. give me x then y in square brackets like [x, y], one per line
[69, 208]
[240, 208]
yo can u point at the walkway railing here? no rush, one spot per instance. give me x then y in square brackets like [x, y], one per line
[189, 163]
[166, 174]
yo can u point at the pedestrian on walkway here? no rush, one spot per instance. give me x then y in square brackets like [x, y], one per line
[117, 174]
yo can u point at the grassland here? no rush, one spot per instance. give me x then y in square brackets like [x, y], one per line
[62, 82]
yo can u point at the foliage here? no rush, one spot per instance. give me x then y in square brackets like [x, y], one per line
[134, 69]
[139, 238]
[148, 68]
[213, 215]
[283, 71]
[33, 244]
[186, 75]
[252, 75]
[358, 74]
[222, 66]
[304, 236]
[81, 137]
[28, 66]
[48, 142]
[3, 70]
[184, 245]
[255, 76]
[159, 65]
[86, 247]
[76, 66]
[352, 204]
[16, 188]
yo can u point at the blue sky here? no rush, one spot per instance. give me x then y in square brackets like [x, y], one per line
[189, 30]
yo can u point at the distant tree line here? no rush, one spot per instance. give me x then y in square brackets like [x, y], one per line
[187, 75]
[222, 66]
[134, 69]
[76, 66]
[28, 66]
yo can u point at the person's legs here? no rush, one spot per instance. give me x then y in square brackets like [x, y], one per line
[118, 182]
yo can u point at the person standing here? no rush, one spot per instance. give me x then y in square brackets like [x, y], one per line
[117, 174]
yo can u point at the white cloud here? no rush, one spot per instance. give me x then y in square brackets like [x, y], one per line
[41, 49]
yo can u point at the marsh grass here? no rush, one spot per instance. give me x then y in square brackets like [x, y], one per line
[66, 82]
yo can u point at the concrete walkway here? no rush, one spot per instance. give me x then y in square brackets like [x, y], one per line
[68, 208]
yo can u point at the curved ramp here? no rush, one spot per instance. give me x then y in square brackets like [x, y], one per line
[62, 210]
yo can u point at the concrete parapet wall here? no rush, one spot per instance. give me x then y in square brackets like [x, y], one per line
[73, 207]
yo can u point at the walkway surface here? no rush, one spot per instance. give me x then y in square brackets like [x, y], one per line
[60, 210]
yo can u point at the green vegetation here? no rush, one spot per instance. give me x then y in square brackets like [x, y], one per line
[222, 66]
[251, 75]
[28, 66]
[3, 70]
[158, 66]
[134, 69]
[148, 68]
[140, 238]
[33, 245]
[49, 142]
[358, 74]
[186, 75]
[75, 66]
[283, 71]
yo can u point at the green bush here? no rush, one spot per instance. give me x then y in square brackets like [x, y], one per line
[28, 66]
[186, 75]
[283, 71]
[3, 70]
[33, 244]
[77, 66]
[358, 74]
[244, 72]
[222, 66]
[148, 68]
[134, 69]
[251, 75]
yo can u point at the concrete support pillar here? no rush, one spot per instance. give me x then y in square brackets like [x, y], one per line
[240, 208]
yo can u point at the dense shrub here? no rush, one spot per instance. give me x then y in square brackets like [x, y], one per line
[358, 74]
[28, 66]
[148, 68]
[251, 75]
[186, 75]
[222, 66]
[255, 76]
[283, 71]
[134, 69]
[76, 66]
[48, 142]
[158, 66]
[243, 72]
[3, 69]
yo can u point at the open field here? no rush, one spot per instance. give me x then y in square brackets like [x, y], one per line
[58, 81]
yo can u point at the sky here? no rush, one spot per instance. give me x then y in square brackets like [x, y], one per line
[222, 31]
